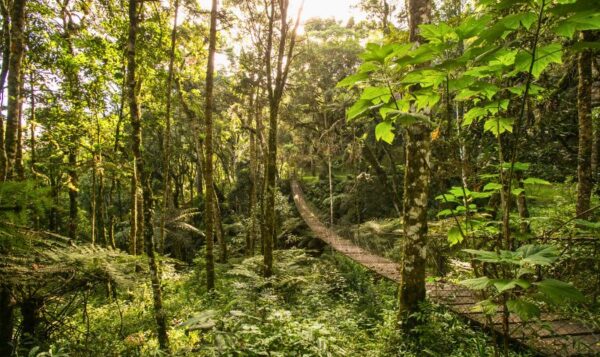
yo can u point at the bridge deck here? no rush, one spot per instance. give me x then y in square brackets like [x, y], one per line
[551, 335]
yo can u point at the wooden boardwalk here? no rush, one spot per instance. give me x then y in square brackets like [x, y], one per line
[551, 335]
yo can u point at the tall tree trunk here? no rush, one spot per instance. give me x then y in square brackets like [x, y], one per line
[17, 38]
[19, 169]
[167, 133]
[275, 88]
[133, 218]
[73, 192]
[251, 233]
[416, 191]
[208, 142]
[3, 74]
[136, 124]
[220, 232]
[7, 318]
[584, 109]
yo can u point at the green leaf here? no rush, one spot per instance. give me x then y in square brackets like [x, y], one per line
[581, 20]
[472, 114]
[476, 283]
[454, 236]
[368, 67]
[524, 271]
[492, 186]
[507, 284]
[352, 80]
[546, 55]
[436, 32]
[359, 108]
[372, 93]
[524, 309]
[517, 191]
[484, 255]
[559, 292]
[425, 78]
[444, 213]
[385, 131]
[538, 254]
[377, 53]
[498, 126]
[535, 181]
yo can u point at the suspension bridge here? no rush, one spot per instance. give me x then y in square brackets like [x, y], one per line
[549, 335]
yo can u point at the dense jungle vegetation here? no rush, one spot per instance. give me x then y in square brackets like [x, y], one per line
[148, 150]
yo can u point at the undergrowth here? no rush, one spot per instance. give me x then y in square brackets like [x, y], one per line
[325, 306]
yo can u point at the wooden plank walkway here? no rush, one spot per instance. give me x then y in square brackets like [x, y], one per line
[551, 335]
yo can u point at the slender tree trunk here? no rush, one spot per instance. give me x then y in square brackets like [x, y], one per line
[220, 232]
[136, 124]
[584, 109]
[133, 221]
[32, 144]
[251, 234]
[3, 74]
[275, 88]
[17, 48]
[167, 133]
[416, 195]
[330, 175]
[208, 169]
[7, 318]
[94, 202]
[73, 193]
[522, 205]
[19, 169]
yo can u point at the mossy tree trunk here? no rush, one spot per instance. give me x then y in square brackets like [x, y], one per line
[275, 89]
[209, 198]
[584, 109]
[15, 64]
[416, 191]
[136, 124]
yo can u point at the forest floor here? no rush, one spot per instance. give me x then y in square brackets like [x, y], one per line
[313, 306]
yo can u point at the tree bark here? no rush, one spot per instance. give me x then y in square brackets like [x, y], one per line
[167, 133]
[136, 124]
[7, 318]
[584, 110]
[208, 142]
[275, 88]
[416, 191]
[3, 73]
[17, 48]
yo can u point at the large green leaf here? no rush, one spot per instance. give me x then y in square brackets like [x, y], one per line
[352, 80]
[454, 236]
[524, 309]
[376, 94]
[507, 284]
[359, 108]
[546, 55]
[385, 131]
[538, 254]
[559, 292]
[476, 283]
[499, 126]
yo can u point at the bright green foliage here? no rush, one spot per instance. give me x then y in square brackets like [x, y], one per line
[522, 262]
